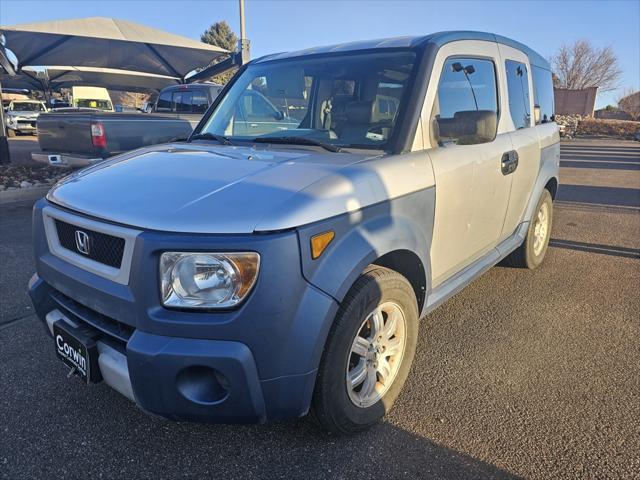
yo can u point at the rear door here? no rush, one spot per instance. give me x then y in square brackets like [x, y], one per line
[466, 152]
[519, 117]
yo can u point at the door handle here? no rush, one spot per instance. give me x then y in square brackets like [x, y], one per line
[509, 162]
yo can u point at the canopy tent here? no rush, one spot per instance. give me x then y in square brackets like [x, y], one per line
[20, 82]
[102, 42]
[113, 79]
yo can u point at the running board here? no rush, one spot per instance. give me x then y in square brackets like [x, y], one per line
[464, 277]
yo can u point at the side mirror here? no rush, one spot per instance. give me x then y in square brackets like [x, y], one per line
[536, 114]
[469, 127]
[279, 115]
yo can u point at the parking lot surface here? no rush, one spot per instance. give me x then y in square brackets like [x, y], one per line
[522, 374]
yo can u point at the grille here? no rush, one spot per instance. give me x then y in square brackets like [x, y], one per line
[103, 248]
[116, 330]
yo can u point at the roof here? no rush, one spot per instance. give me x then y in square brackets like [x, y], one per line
[439, 39]
[107, 43]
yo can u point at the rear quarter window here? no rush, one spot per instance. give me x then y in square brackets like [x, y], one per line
[164, 102]
[543, 94]
[518, 89]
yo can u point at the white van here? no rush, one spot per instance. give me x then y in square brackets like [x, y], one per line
[92, 97]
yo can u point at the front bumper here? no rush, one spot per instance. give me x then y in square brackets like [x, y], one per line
[254, 363]
[179, 378]
[188, 379]
[23, 126]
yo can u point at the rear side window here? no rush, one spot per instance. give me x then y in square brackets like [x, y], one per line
[182, 101]
[200, 102]
[164, 102]
[518, 86]
[257, 107]
[465, 111]
[543, 94]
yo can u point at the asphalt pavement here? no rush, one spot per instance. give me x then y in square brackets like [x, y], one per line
[522, 374]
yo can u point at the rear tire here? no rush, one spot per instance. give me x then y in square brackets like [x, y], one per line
[373, 339]
[532, 251]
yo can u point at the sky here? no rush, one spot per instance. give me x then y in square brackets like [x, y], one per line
[275, 26]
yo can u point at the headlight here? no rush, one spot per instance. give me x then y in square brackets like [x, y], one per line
[207, 280]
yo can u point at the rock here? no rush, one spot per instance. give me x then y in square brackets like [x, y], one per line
[25, 184]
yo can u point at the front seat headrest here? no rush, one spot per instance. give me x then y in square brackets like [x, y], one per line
[360, 111]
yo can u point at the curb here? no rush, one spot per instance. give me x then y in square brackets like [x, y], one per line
[29, 193]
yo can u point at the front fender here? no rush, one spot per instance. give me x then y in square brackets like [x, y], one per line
[361, 237]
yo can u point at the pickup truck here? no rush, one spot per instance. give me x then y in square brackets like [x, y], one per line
[21, 116]
[81, 136]
[270, 265]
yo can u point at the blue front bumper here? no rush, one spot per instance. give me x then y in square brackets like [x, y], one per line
[250, 364]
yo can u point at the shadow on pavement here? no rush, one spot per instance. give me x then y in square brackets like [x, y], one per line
[600, 157]
[618, 165]
[596, 248]
[613, 196]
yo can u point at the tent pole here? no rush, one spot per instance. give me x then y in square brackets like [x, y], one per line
[8, 67]
[5, 156]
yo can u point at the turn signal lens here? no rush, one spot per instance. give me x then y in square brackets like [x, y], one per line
[320, 242]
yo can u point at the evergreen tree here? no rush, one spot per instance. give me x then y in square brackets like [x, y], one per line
[221, 35]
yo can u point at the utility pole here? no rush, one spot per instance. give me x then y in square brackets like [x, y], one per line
[243, 43]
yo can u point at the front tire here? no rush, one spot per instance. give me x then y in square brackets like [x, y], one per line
[532, 251]
[368, 353]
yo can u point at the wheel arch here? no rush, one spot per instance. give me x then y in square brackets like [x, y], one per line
[552, 187]
[395, 234]
[409, 265]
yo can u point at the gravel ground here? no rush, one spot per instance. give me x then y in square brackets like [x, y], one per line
[23, 176]
[23, 172]
[522, 374]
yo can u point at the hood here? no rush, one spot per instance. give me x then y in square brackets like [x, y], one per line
[14, 113]
[198, 189]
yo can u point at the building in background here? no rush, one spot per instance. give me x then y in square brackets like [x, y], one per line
[575, 102]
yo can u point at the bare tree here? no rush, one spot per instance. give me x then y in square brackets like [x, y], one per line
[629, 101]
[581, 65]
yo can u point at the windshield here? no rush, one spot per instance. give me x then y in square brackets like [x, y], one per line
[27, 107]
[348, 101]
[88, 103]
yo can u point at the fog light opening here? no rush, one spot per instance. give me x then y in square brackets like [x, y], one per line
[202, 384]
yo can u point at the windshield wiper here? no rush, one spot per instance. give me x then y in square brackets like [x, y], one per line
[211, 136]
[298, 141]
